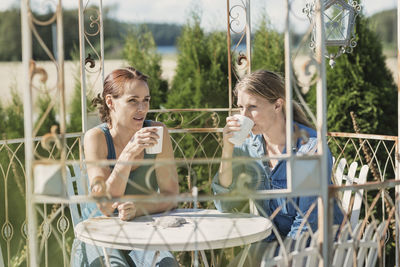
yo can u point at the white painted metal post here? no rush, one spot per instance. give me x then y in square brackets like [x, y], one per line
[82, 64]
[248, 36]
[61, 88]
[288, 100]
[228, 41]
[325, 216]
[60, 74]
[398, 141]
[28, 129]
[101, 44]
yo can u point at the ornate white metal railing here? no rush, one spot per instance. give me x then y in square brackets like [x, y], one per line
[195, 169]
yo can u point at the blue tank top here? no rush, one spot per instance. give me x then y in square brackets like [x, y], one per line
[137, 184]
[142, 180]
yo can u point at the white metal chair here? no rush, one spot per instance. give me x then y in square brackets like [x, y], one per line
[366, 248]
[303, 255]
[81, 185]
[353, 211]
[298, 254]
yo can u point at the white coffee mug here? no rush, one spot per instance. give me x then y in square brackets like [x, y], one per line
[157, 148]
[246, 125]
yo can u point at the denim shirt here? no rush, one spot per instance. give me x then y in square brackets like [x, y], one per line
[262, 177]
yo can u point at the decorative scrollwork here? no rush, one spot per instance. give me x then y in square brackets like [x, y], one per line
[39, 84]
[215, 119]
[172, 119]
[241, 66]
[352, 44]
[309, 11]
[47, 6]
[309, 77]
[90, 60]
[242, 59]
[63, 224]
[94, 22]
[235, 14]
[46, 229]
[93, 30]
[33, 69]
[7, 231]
[356, 6]
[49, 140]
[24, 230]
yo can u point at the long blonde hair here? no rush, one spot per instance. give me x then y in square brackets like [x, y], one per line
[270, 86]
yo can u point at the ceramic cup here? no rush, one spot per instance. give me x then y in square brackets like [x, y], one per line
[246, 125]
[157, 148]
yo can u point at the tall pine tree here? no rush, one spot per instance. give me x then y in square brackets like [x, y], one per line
[268, 48]
[75, 106]
[201, 81]
[140, 51]
[201, 74]
[361, 82]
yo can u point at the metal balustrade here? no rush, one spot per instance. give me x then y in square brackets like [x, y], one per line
[378, 200]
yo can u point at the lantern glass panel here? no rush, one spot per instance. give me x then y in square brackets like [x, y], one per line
[336, 22]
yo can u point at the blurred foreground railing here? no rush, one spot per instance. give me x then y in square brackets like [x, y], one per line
[197, 152]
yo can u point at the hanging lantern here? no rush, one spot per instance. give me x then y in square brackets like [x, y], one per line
[339, 19]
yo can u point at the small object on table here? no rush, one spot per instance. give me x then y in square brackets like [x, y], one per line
[169, 221]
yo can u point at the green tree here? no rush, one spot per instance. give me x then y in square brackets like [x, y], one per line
[200, 82]
[201, 73]
[140, 51]
[43, 104]
[10, 32]
[385, 25]
[164, 34]
[75, 106]
[268, 48]
[361, 82]
[12, 173]
[12, 125]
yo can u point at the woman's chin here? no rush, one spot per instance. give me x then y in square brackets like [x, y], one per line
[136, 125]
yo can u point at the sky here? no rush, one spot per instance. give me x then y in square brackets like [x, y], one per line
[213, 11]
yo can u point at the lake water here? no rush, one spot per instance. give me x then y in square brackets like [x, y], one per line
[165, 50]
[171, 49]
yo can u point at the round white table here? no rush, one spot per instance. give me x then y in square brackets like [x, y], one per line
[204, 229]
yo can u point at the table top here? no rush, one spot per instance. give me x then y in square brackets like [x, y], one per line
[203, 229]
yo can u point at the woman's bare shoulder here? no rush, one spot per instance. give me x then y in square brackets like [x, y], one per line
[94, 133]
[95, 141]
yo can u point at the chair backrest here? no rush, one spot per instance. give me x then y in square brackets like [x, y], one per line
[345, 246]
[77, 184]
[351, 206]
[366, 249]
[369, 245]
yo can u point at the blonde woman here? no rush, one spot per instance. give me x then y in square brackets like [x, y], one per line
[261, 97]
